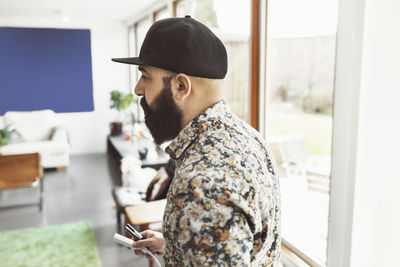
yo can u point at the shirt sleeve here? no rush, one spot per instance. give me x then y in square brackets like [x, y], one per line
[213, 227]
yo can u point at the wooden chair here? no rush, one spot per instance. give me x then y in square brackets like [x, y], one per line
[293, 156]
[144, 215]
[22, 170]
[126, 197]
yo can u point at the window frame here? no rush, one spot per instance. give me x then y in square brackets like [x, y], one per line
[254, 53]
[255, 65]
[345, 128]
[156, 12]
[342, 177]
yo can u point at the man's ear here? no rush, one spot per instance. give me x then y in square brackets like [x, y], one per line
[183, 87]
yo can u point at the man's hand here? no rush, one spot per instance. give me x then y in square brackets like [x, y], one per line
[153, 241]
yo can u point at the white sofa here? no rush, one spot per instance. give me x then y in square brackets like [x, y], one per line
[39, 133]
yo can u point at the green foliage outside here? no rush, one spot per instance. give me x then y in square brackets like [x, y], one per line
[204, 11]
[315, 128]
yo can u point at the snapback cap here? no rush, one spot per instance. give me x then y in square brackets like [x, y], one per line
[182, 45]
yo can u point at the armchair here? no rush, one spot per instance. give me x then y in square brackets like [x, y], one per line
[126, 198]
[39, 134]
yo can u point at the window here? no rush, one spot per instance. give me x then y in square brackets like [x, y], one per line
[233, 28]
[301, 38]
[132, 53]
[161, 14]
[141, 30]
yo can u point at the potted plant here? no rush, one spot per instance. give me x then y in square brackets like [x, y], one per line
[120, 102]
[5, 137]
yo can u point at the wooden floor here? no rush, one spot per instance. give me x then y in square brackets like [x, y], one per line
[80, 192]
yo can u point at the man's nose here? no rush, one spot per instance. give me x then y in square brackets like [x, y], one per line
[139, 90]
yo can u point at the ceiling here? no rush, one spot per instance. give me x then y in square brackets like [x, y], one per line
[121, 10]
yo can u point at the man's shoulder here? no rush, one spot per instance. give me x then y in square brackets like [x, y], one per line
[223, 149]
[230, 134]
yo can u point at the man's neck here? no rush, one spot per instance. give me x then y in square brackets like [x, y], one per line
[195, 108]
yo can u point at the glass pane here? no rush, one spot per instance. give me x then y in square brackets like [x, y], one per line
[132, 53]
[233, 28]
[141, 31]
[162, 14]
[301, 38]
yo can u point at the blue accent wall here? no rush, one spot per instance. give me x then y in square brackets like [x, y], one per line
[45, 69]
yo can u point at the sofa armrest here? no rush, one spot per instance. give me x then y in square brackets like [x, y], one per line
[2, 125]
[59, 134]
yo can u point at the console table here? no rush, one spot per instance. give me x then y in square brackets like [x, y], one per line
[118, 147]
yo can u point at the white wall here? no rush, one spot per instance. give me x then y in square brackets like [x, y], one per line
[88, 130]
[376, 221]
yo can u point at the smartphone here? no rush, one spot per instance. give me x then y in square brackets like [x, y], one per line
[132, 231]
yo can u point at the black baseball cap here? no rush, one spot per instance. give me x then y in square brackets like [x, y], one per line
[182, 45]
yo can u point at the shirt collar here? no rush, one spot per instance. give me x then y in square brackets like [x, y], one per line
[191, 131]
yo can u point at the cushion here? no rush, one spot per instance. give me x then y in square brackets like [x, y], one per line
[16, 137]
[59, 134]
[133, 175]
[33, 126]
[125, 196]
[159, 186]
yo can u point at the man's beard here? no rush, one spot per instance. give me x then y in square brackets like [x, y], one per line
[164, 117]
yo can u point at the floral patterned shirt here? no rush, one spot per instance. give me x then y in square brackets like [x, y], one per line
[223, 205]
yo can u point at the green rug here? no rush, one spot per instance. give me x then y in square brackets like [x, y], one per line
[70, 244]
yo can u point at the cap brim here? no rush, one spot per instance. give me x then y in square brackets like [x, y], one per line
[129, 60]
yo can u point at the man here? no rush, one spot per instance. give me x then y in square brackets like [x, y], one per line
[223, 206]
